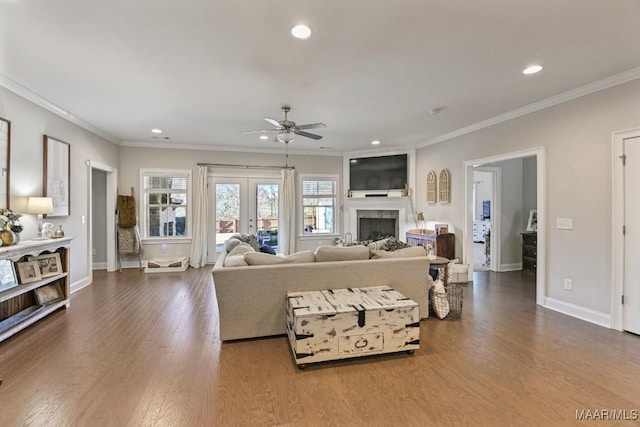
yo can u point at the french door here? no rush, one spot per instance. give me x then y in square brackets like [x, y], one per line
[243, 205]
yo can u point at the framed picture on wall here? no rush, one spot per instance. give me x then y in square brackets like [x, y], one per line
[57, 162]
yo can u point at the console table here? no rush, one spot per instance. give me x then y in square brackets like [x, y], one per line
[18, 306]
[444, 245]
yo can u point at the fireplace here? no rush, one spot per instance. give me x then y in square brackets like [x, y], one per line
[375, 224]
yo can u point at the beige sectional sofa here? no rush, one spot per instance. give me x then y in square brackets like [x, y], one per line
[252, 298]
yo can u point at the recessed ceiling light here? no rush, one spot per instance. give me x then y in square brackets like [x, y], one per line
[264, 137]
[301, 32]
[375, 142]
[156, 130]
[532, 69]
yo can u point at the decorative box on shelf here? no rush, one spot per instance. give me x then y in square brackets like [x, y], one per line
[345, 323]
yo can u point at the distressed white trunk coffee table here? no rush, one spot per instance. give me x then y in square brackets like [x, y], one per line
[344, 323]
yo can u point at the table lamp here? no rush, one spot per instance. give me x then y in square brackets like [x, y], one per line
[419, 217]
[40, 206]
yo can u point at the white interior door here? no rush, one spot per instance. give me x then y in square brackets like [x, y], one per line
[243, 205]
[631, 307]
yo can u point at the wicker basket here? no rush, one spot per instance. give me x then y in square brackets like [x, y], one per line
[454, 297]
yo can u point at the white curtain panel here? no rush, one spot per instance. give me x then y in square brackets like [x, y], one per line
[198, 256]
[287, 242]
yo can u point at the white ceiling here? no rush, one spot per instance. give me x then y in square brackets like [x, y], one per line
[205, 70]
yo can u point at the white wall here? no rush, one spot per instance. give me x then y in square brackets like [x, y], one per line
[29, 123]
[99, 212]
[577, 137]
[133, 159]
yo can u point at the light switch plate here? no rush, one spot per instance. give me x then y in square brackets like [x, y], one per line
[564, 223]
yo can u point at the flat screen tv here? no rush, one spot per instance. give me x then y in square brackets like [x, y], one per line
[378, 173]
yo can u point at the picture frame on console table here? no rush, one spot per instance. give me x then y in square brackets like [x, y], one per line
[50, 264]
[8, 277]
[57, 163]
[29, 271]
[48, 294]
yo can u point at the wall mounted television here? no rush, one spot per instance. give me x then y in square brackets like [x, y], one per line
[378, 173]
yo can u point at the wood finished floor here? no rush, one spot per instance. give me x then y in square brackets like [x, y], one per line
[143, 350]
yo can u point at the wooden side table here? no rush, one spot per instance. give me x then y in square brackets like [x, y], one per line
[441, 263]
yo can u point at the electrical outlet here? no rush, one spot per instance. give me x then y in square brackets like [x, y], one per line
[564, 223]
[93, 252]
[568, 284]
[164, 247]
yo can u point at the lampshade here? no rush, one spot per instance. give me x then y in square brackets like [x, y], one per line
[419, 216]
[40, 205]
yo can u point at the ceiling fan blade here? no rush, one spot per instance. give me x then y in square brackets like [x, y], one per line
[308, 135]
[273, 122]
[261, 130]
[312, 126]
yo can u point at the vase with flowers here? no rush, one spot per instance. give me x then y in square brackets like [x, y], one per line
[10, 227]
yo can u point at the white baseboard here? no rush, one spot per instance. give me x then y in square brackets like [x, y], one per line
[99, 266]
[510, 267]
[586, 314]
[133, 264]
[82, 283]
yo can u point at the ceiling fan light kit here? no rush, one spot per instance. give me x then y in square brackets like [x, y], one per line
[287, 129]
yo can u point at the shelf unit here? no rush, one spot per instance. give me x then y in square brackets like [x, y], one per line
[18, 298]
[529, 252]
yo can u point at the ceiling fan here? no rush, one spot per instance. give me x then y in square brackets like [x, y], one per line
[287, 129]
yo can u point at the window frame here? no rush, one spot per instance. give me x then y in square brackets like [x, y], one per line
[142, 214]
[337, 220]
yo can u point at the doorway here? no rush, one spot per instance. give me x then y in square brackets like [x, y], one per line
[625, 298]
[468, 253]
[486, 218]
[101, 224]
[244, 205]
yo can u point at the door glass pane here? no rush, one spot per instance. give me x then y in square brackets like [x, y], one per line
[267, 214]
[227, 212]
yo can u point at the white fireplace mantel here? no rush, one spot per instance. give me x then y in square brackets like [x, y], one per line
[401, 204]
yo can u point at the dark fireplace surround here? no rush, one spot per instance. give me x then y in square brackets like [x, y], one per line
[375, 224]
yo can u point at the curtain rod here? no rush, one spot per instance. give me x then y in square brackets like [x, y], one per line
[225, 165]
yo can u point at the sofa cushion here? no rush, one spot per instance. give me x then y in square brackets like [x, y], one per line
[235, 258]
[338, 253]
[412, 251]
[258, 258]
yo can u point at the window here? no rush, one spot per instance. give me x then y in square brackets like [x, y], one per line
[165, 205]
[319, 200]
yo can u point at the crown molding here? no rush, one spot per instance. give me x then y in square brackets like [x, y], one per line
[569, 95]
[30, 95]
[206, 147]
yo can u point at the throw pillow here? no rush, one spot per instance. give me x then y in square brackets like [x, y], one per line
[439, 302]
[393, 244]
[235, 257]
[267, 249]
[231, 243]
[412, 251]
[377, 245]
[338, 253]
[257, 258]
